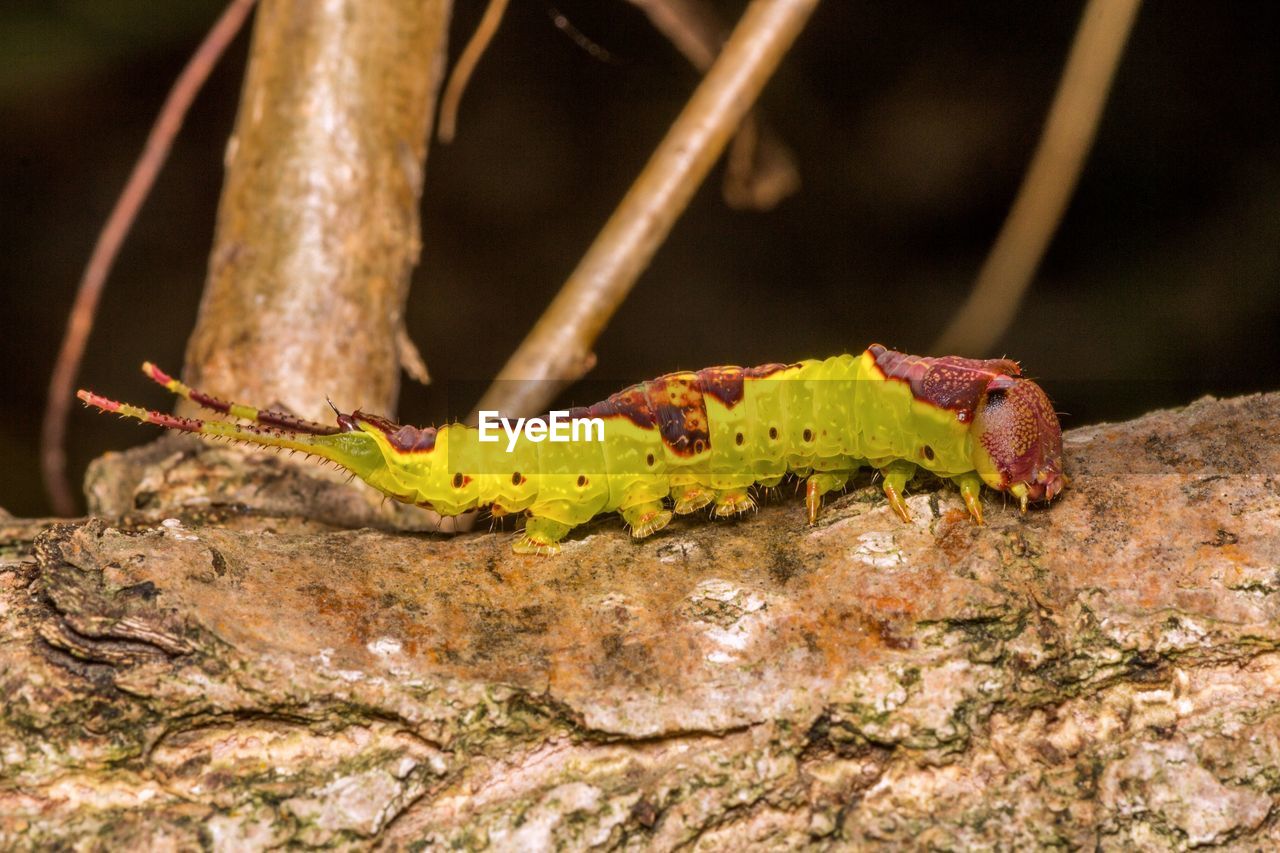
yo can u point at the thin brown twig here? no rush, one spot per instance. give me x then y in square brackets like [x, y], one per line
[1049, 182]
[585, 43]
[465, 66]
[692, 26]
[411, 360]
[53, 458]
[558, 349]
[760, 170]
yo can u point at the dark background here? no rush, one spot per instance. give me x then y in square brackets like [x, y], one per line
[912, 124]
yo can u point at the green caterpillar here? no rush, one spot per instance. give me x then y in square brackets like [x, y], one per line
[694, 438]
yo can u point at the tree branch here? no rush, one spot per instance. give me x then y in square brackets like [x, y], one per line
[214, 671]
[760, 170]
[1050, 180]
[558, 349]
[318, 225]
[53, 437]
[466, 66]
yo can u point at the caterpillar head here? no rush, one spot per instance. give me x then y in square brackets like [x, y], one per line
[403, 453]
[1017, 444]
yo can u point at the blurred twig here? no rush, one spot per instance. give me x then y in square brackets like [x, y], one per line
[590, 47]
[465, 66]
[691, 25]
[53, 457]
[558, 349]
[1049, 182]
[411, 360]
[760, 170]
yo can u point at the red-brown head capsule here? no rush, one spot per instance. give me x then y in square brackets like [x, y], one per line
[1017, 445]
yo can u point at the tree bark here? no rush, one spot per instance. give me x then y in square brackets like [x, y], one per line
[201, 669]
[318, 223]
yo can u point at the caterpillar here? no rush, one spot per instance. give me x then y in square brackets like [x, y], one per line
[686, 440]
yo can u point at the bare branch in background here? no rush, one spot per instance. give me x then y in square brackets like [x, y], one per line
[411, 361]
[691, 25]
[558, 349]
[760, 170]
[53, 455]
[1050, 180]
[465, 67]
[319, 218]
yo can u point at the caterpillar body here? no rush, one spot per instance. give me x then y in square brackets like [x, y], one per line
[687, 440]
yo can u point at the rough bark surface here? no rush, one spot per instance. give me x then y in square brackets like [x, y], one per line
[211, 667]
[318, 222]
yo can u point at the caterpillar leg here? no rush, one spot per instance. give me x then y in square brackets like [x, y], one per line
[1019, 491]
[971, 490]
[818, 485]
[646, 519]
[691, 498]
[896, 474]
[732, 502]
[541, 537]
